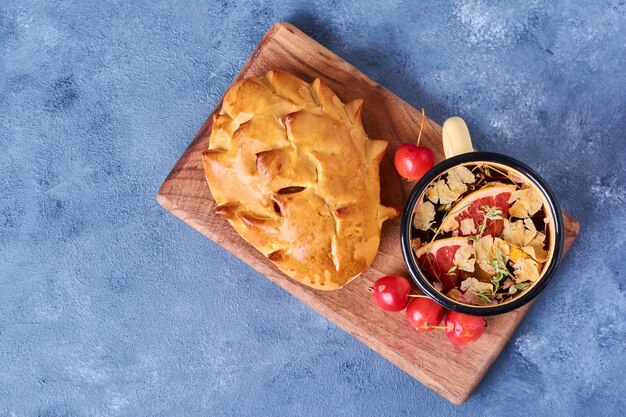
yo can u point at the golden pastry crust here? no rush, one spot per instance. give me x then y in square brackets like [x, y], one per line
[293, 171]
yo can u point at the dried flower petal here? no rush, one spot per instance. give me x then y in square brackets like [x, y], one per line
[477, 292]
[444, 193]
[507, 283]
[473, 285]
[523, 236]
[535, 248]
[487, 249]
[516, 253]
[526, 202]
[457, 295]
[458, 177]
[538, 253]
[451, 225]
[462, 258]
[539, 239]
[519, 233]
[424, 216]
[467, 227]
[526, 270]
[515, 178]
[440, 192]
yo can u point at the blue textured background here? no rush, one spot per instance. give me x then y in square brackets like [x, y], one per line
[110, 306]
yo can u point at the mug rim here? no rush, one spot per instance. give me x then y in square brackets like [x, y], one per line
[405, 230]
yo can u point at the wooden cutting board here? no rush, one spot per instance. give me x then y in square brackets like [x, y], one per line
[454, 372]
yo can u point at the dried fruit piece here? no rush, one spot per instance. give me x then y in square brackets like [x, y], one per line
[486, 206]
[437, 259]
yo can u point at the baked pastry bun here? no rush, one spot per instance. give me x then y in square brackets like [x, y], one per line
[293, 171]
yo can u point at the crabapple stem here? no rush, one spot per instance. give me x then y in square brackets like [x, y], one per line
[418, 296]
[434, 327]
[419, 136]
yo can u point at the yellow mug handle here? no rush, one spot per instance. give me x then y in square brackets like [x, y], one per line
[456, 138]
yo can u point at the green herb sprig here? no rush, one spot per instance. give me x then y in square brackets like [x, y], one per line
[489, 213]
[499, 264]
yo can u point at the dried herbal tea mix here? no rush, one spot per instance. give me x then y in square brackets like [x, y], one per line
[481, 233]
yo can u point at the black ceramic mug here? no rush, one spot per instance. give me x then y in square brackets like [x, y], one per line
[552, 212]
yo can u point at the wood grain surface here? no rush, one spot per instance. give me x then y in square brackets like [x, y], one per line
[453, 372]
